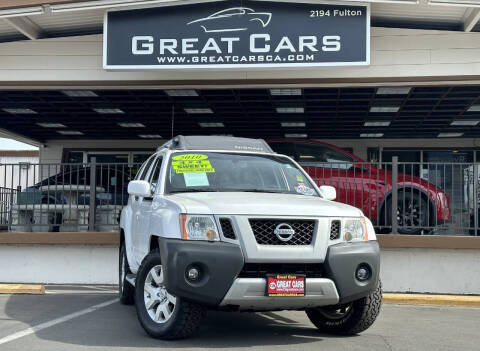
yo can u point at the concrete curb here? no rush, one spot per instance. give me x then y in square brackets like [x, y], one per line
[22, 289]
[436, 300]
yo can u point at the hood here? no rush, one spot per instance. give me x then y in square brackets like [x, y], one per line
[265, 204]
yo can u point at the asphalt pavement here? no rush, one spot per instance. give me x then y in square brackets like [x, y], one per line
[81, 318]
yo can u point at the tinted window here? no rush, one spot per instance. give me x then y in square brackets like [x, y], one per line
[311, 154]
[111, 178]
[284, 148]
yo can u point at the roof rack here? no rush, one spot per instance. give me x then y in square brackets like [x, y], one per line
[203, 142]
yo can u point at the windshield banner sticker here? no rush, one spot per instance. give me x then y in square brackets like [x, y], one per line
[190, 157]
[196, 179]
[237, 34]
[192, 163]
[304, 190]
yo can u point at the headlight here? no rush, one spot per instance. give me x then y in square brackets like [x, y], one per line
[197, 227]
[355, 230]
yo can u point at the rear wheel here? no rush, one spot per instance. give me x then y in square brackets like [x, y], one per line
[126, 290]
[351, 318]
[161, 314]
[412, 213]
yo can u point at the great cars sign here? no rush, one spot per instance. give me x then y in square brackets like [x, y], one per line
[237, 34]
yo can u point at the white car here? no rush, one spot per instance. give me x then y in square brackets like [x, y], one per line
[226, 223]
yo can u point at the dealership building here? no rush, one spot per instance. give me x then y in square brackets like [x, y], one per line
[393, 83]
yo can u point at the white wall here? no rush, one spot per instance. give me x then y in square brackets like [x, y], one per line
[396, 55]
[59, 264]
[444, 271]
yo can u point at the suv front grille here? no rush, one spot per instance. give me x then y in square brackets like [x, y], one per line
[263, 230]
[260, 270]
[335, 230]
[227, 228]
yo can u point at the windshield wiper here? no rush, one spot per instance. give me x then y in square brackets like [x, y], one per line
[193, 190]
[260, 191]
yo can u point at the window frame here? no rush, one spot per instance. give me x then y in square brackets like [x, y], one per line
[151, 174]
[143, 168]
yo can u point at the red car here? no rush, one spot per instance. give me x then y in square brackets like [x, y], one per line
[420, 206]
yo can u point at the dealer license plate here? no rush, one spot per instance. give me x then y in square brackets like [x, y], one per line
[284, 285]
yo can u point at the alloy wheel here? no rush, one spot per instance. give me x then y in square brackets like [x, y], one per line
[409, 215]
[159, 303]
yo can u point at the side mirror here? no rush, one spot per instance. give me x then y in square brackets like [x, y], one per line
[328, 192]
[139, 188]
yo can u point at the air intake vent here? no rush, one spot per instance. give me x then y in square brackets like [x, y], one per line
[227, 228]
[260, 270]
[335, 230]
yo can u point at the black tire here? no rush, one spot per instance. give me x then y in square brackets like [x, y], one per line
[185, 318]
[126, 291]
[417, 218]
[359, 315]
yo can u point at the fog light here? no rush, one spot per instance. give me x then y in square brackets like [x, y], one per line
[362, 273]
[211, 234]
[193, 273]
[348, 236]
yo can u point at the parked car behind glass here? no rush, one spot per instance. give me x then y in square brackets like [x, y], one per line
[113, 179]
[420, 204]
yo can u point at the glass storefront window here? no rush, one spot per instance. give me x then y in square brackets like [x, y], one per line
[409, 161]
[74, 157]
[452, 171]
[140, 158]
[108, 158]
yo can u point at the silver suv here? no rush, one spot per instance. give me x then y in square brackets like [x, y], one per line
[226, 223]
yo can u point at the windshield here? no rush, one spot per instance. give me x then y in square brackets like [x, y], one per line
[210, 171]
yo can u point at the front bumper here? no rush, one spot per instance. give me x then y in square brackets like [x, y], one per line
[249, 294]
[341, 263]
[221, 263]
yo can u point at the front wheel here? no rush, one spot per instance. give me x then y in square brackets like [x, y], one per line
[350, 318]
[161, 314]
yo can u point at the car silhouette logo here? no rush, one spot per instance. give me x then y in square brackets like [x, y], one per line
[232, 20]
[284, 231]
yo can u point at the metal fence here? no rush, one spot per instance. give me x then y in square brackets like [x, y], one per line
[64, 197]
[406, 198]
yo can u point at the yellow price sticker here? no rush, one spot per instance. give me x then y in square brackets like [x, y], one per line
[190, 157]
[193, 166]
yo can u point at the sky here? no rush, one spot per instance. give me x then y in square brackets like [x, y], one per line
[10, 144]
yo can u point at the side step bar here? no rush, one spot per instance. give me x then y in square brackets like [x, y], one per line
[131, 278]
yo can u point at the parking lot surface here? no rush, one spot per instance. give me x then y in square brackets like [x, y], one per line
[79, 318]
